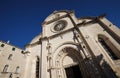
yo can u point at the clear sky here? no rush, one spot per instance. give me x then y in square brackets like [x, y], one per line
[20, 20]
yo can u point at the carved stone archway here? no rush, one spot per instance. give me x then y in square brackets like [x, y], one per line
[67, 56]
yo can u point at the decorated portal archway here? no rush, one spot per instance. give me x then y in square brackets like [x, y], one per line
[67, 61]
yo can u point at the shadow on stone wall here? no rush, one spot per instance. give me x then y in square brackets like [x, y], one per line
[101, 68]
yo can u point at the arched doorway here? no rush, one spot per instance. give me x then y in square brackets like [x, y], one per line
[71, 63]
[68, 63]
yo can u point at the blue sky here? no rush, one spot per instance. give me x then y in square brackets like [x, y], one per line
[20, 20]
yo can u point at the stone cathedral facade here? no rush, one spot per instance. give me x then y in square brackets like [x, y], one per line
[68, 47]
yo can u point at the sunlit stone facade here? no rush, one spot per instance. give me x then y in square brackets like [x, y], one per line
[69, 47]
[12, 61]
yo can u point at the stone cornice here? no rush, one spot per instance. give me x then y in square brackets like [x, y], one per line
[33, 44]
[66, 11]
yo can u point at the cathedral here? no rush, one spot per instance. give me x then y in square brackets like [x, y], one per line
[67, 47]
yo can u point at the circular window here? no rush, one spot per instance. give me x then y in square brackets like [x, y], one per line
[60, 25]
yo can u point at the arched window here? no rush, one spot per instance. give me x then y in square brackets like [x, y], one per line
[17, 70]
[37, 68]
[5, 68]
[10, 57]
[107, 48]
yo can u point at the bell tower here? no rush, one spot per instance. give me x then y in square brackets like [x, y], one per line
[87, 47]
